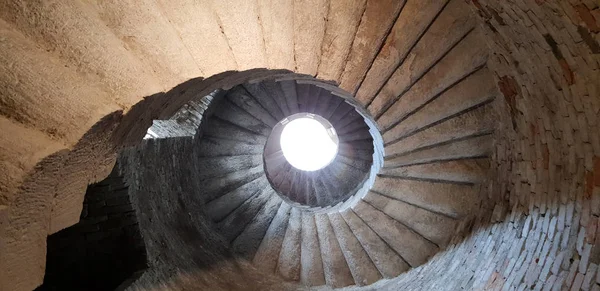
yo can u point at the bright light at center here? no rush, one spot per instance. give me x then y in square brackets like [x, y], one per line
[307, 145]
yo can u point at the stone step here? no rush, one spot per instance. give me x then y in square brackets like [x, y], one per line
[330, 183]
[213, 188]
[247, 243]
[387, 261]
[471, 147]
[310, 256]
[362, 268]
[289, 93]
[225, 130]
[213, 167]
[452, 200]
[275, 160]
[314, 94]
[267, 255]
[460, 171]
[347, 150]
[260, 93]
[476, 89]
[358, 145]
[297, 193]
[289, 257]
[349, 118]
[411, 246]
[240, 97]
[360, 134]
[311, 197]
[281, 175]
[274, 90]
[361, 165]
[474, 122]
[449, 28]
[332, 105]
[432, 226]
[323, 102]
[321, 191]
[340, 112]
[230, 112]
[222, 206]
[233, 225]
[215, 147]
[464, 59]
[335, 268]
[355, 125]
[303, 91]
[414, 21]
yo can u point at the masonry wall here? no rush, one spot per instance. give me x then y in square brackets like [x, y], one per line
[541, 227]
[101, 251]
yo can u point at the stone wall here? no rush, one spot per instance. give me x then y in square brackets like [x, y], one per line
[184, 250]
[101, 251]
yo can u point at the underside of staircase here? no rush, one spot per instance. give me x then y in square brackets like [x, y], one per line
[140, 145]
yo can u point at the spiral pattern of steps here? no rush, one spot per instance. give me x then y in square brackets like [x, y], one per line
[411, 103]
[413, 152]
[427, 186]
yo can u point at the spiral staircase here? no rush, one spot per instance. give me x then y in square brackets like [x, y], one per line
[438, 173]
[394, 195]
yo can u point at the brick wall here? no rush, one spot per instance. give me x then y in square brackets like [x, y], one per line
[101, 251]
[539, 230]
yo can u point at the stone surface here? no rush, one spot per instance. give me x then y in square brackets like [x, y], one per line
[537, 224]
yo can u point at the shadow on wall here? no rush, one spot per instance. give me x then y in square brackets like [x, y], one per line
[101, 251]
[51, 196]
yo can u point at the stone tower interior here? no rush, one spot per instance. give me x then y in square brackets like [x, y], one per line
[139, 145]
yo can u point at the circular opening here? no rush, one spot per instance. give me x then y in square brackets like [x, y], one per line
[309, 144]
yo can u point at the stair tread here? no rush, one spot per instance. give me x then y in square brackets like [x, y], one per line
[355, 125]
[314, 95]
[449, 28]
[361, 266]
[302, 91]
[289, 92]
[323, 102]
[413, 22]
[474, 90]
[213, 167]
[413, 248]
[332, 105]
[236, 115]
[434, 227]
[247, 243]
[289, 258]
[213, 147]
[383, 257]
[240, 97]
[268, 252]
[452, 200]
[469, 123]
[462, 171]
[311, 262]
[213, 188]
[468, 56]
[477, 146]
[361, 134]
[260, 94]
[335, 268]
[226, 130]
[349, 118]
[221, 207]
[237, 220]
